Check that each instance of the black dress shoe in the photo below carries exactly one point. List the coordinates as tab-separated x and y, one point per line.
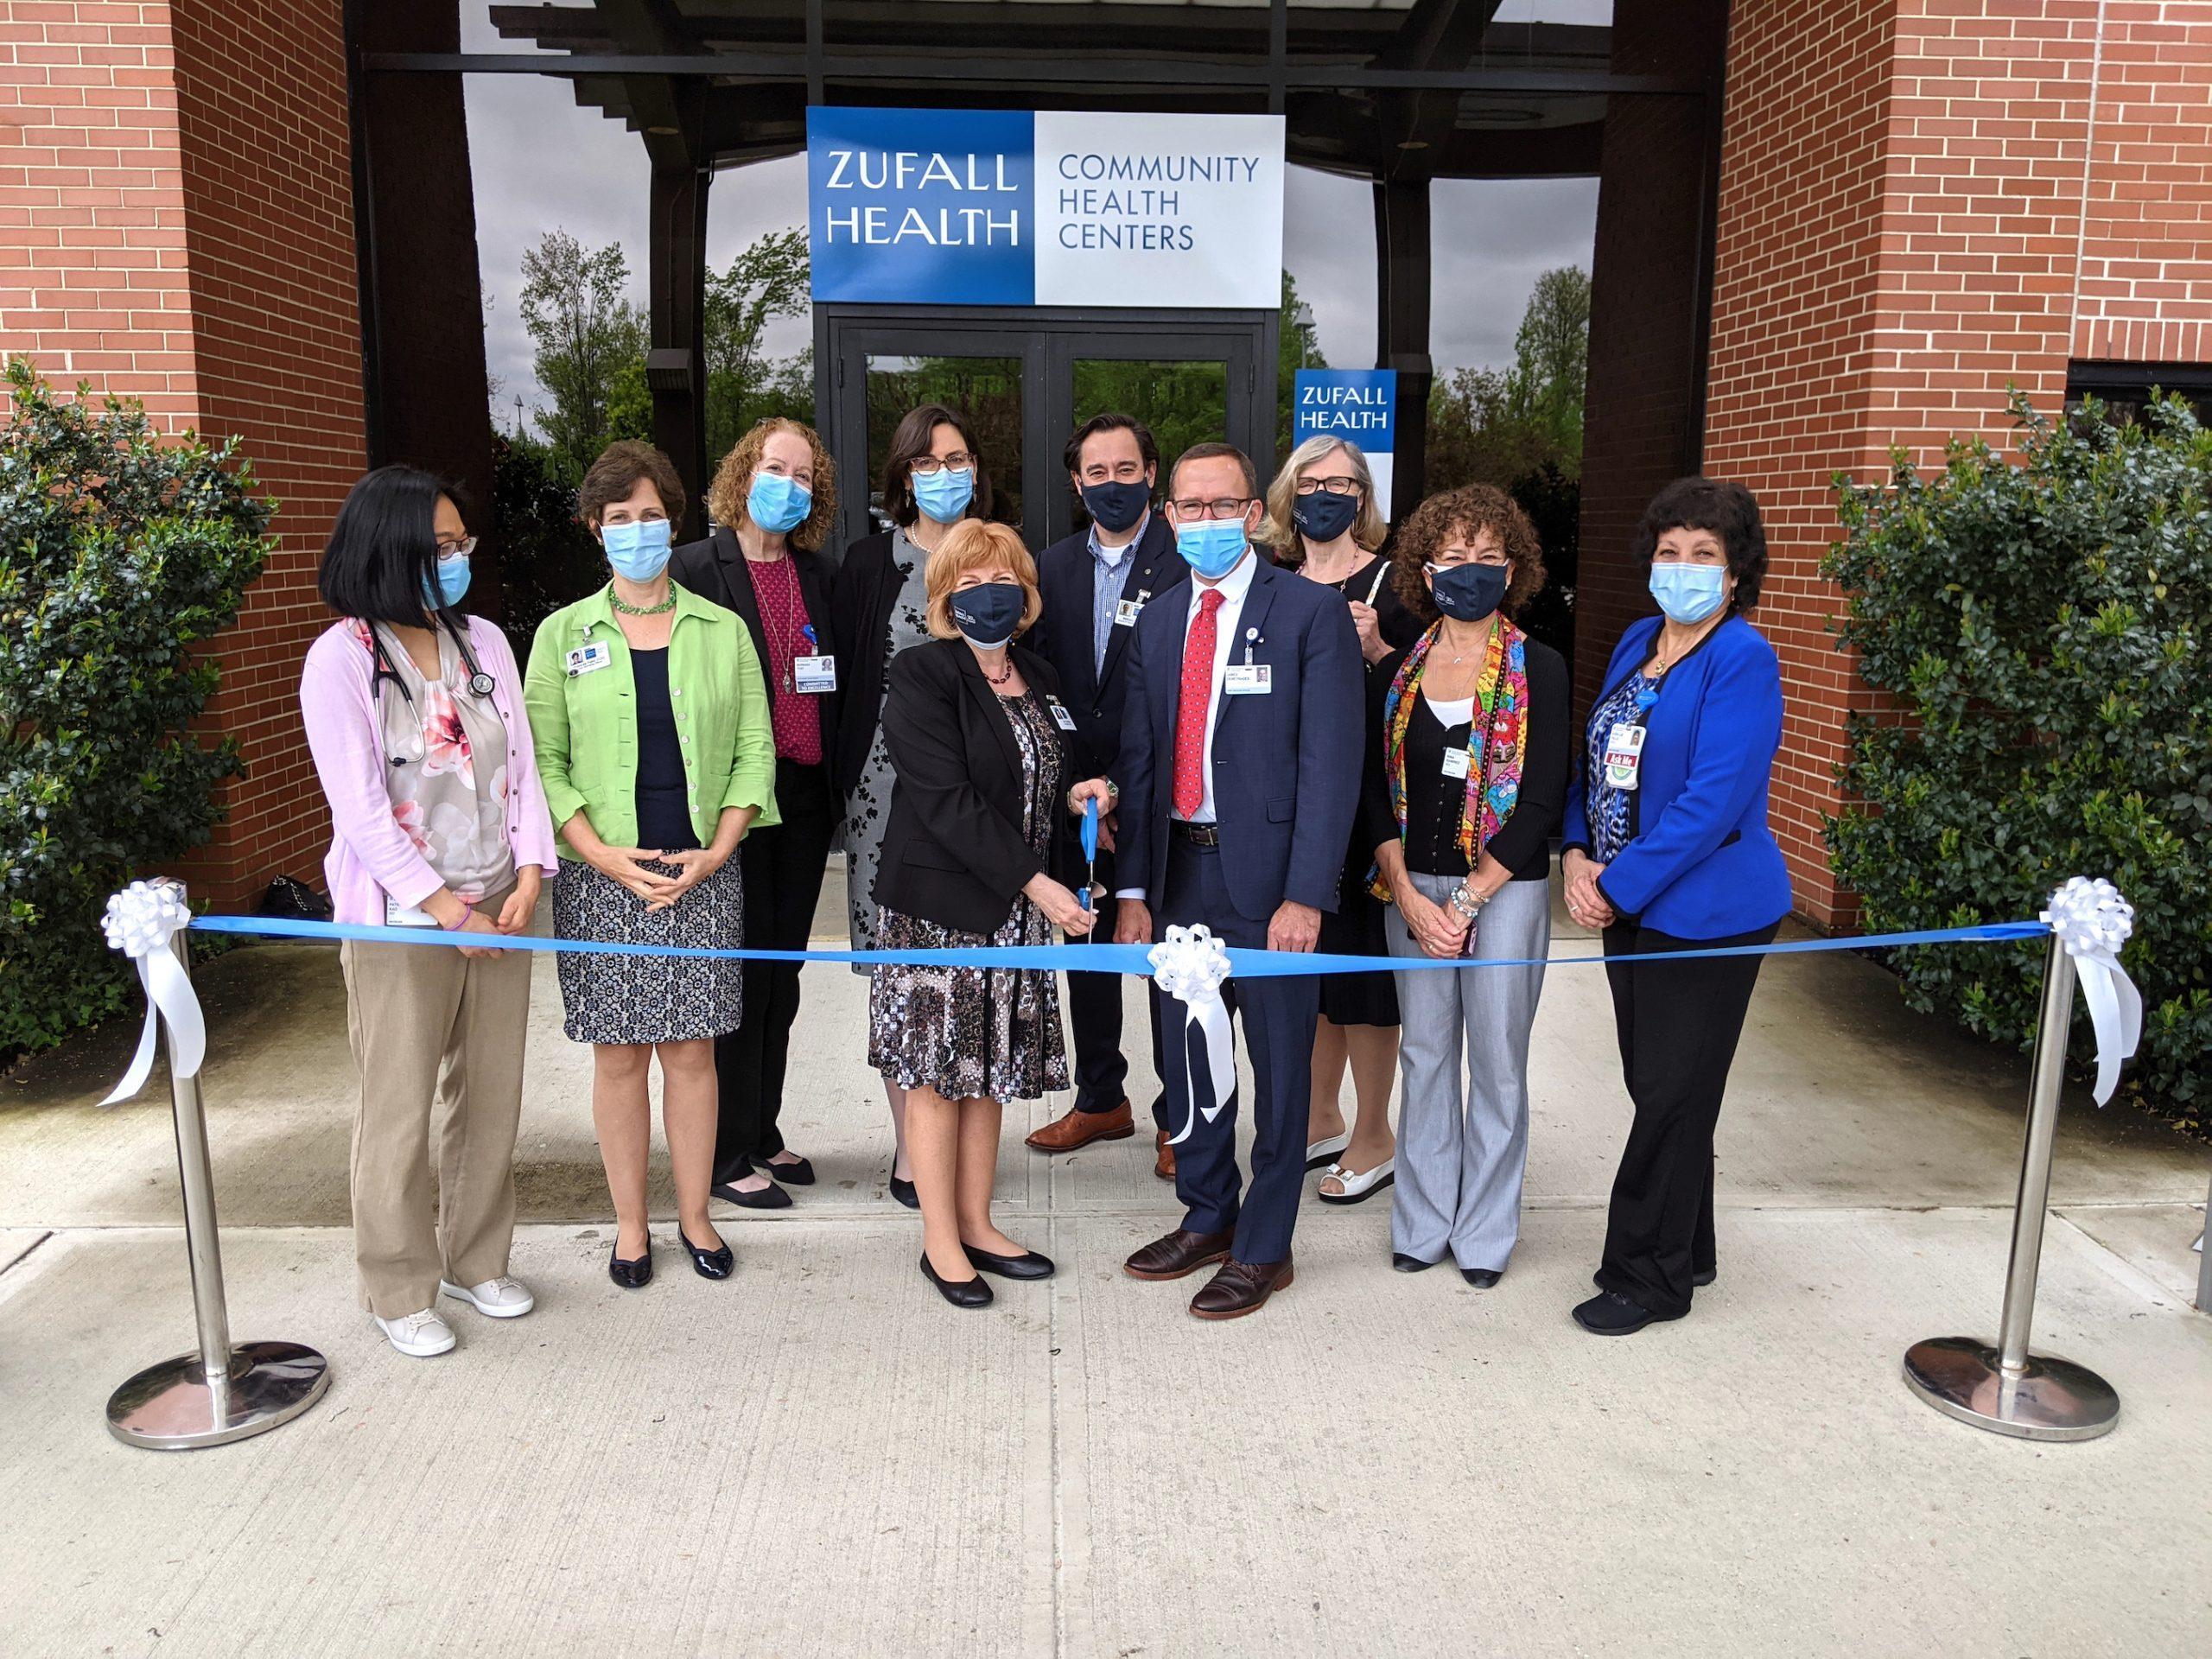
770	1196
1482	1278
1028	1265
1405	1263
1609	1313
795	1174
971	1293
904	1191
630	1275
716	1263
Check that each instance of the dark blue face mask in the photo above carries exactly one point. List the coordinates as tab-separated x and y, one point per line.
1467	592
1321	516
1114	506
989	615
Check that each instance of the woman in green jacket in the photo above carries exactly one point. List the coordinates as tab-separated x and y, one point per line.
652	733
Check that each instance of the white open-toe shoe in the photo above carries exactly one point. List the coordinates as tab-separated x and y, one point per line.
1361	1186
1319	1153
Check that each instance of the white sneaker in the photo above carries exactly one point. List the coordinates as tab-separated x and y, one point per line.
501	1299
418	1336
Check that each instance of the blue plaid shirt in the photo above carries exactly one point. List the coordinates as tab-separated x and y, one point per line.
1108	570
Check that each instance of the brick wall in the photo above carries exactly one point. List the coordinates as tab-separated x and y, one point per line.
1921	201
176	225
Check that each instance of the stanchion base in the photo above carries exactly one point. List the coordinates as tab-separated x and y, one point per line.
172	1407
2053	1400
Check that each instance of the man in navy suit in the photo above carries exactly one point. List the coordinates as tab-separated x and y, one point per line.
1243	740
1094	584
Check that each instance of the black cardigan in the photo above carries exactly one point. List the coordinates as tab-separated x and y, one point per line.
1522	843
715	568
861	602
953	850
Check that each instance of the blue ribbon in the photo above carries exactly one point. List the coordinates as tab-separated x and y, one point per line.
1096	958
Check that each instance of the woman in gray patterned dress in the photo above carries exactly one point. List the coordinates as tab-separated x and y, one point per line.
977	820
932	479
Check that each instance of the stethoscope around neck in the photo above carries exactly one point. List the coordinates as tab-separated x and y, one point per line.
481	685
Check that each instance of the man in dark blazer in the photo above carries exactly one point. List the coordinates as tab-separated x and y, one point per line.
1094	584
1239	768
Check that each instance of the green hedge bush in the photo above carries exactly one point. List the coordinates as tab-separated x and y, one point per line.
119	554
2042	624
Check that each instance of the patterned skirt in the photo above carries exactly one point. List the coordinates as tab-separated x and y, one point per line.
649	999
965	1032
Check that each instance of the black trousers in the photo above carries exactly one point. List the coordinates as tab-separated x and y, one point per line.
1101	1071
783	868
1678	1024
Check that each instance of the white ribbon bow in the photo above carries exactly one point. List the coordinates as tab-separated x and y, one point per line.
140	921
2092	921
1190	966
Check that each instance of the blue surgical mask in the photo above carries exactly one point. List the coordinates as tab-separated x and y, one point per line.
990	613
1468	593
1689	593
1113	505
776	503
1212	546
638	551
1321	516
453	581
944	494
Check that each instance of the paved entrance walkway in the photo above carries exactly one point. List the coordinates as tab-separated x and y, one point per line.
819	1457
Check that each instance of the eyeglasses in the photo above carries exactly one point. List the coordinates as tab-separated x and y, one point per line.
1491	559
1337	484
460	549
1230	507
927	466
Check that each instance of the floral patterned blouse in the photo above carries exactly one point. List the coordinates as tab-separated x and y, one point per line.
448	779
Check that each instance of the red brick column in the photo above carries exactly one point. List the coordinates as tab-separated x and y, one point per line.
176	225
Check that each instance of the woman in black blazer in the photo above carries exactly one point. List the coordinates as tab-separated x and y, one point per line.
979	818
773	501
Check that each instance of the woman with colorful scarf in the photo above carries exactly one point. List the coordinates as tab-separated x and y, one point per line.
1469	741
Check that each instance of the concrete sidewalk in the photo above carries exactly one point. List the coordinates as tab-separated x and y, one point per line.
819	1456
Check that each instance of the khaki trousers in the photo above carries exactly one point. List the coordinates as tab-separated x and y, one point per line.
430	1026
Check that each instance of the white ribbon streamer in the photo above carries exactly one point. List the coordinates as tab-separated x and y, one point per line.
1190	966
140	921
2092	921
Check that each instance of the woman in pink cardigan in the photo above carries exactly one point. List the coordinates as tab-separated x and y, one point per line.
415	717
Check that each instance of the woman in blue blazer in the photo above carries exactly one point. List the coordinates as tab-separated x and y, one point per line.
1666	847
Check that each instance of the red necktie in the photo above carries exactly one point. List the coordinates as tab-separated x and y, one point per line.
1190	710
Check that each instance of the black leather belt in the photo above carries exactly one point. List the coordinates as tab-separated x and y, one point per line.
1198	835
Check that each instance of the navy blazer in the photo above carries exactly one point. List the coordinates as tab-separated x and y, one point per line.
1063	633
1286	766
1700	862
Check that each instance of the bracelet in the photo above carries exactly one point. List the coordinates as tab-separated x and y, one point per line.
1467	903
468	910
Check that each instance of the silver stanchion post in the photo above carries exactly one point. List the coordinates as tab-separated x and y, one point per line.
2006	1388
221	1393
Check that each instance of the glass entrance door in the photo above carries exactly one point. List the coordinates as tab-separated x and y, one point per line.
1025	380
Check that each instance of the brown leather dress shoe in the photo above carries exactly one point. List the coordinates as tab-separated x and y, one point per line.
1177	1254
1163	1162
1240	1288
1081	1128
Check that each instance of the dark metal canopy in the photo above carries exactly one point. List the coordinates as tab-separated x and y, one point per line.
1377	89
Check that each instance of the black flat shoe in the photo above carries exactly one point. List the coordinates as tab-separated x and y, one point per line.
1704	1276
799	1174
1028	1265
630	1275
1482	1278
717	1263
771	1196
1609	1313
972	1292
1405	1263
904	1191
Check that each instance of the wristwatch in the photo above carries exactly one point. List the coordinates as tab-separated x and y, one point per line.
1467	903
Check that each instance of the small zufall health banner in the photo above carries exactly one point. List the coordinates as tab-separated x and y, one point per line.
1357	404
1046	207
